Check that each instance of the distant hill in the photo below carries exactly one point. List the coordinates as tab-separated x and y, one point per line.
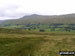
43	19
1	21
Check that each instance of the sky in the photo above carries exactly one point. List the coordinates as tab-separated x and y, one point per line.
13	9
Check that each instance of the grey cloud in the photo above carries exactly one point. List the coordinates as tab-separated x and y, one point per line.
10	12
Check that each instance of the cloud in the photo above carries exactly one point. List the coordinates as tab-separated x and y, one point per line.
11	9
8	9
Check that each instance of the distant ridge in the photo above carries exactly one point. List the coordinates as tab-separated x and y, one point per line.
43	19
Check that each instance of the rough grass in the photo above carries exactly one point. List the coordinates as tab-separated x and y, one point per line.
35	44
32	43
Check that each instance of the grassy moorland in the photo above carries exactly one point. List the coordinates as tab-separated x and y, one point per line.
32	43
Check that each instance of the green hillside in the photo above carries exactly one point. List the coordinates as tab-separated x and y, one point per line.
43	19
45	22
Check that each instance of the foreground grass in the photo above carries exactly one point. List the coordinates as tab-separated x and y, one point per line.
35	44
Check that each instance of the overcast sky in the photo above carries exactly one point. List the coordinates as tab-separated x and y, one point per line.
12	9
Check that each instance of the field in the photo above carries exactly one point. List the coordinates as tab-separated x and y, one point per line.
32	43
44	27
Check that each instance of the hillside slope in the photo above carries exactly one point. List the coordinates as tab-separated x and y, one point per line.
43	19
